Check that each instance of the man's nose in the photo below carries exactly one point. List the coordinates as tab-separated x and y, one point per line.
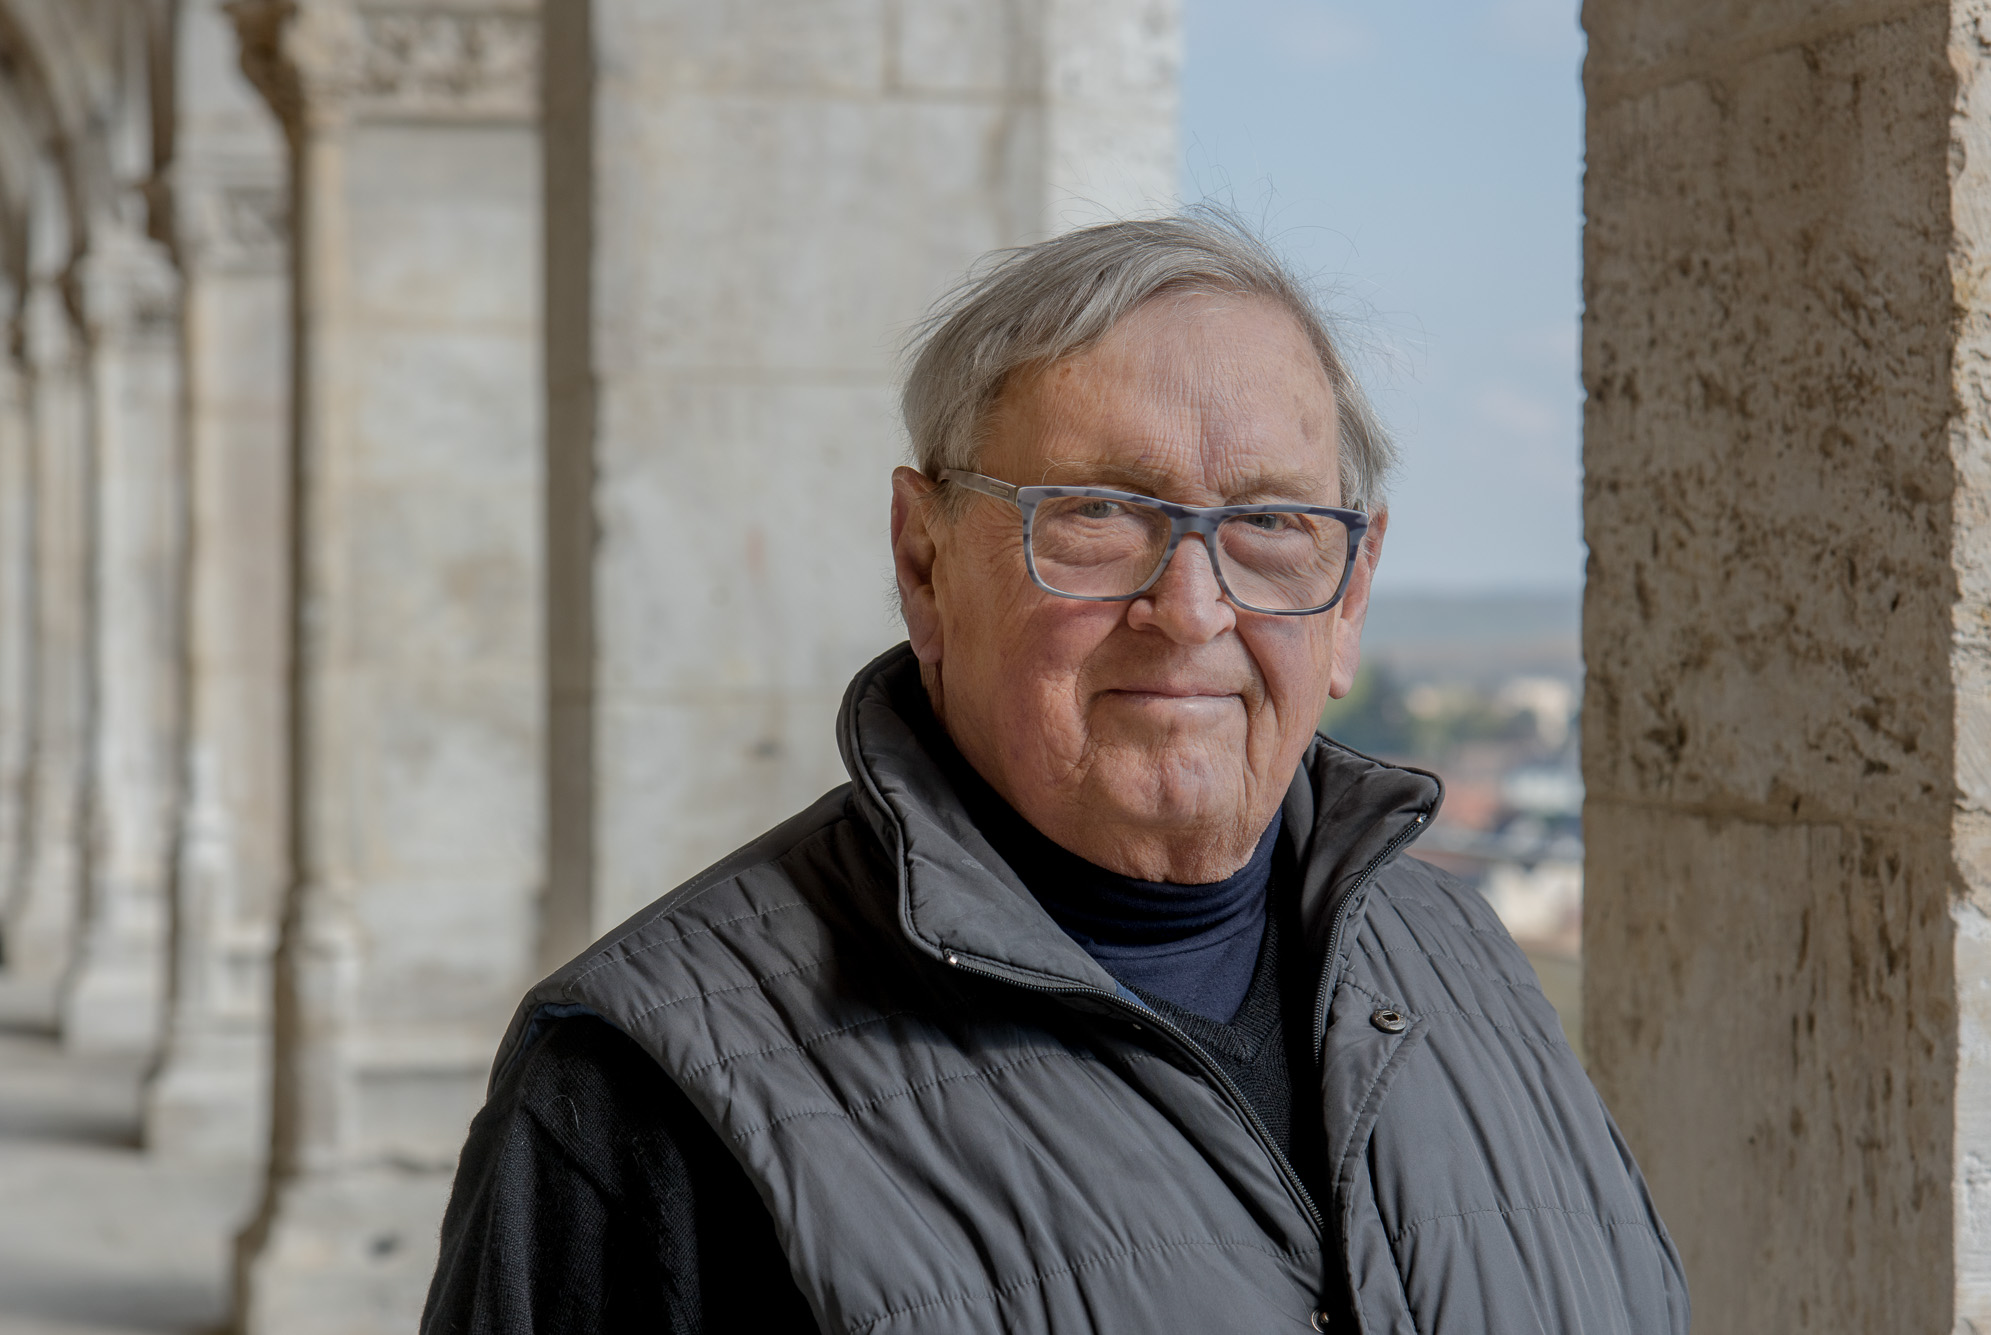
1186	603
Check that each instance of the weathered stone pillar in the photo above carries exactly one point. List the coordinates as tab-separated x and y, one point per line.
17	604
210	1094
41	918
1787	721
409	926
125	290
748	206
114	993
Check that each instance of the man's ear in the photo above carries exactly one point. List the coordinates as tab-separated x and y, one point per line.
1353	609
913	555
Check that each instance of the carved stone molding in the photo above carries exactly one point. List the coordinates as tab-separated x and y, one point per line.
253	221
426	62
130	289
261	26
233	224
392	59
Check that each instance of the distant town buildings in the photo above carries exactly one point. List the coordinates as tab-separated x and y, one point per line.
1485	692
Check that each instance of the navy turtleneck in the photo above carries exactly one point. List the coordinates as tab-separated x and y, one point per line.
1193	945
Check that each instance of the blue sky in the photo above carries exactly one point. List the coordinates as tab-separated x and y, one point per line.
1425	163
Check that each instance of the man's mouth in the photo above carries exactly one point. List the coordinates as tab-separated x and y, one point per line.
1159	694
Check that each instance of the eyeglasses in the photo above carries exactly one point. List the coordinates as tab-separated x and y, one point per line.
1104	546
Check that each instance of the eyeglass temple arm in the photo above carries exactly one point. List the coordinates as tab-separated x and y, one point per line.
988	486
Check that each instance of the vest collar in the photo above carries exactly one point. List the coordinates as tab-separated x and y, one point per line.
959	903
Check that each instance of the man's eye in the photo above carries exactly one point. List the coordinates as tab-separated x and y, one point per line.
1098	509
1266	523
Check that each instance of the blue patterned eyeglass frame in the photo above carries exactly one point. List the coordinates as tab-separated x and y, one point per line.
1183	520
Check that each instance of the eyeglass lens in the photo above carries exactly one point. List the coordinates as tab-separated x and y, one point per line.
1099	548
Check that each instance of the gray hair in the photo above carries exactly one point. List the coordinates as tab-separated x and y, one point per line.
1036	304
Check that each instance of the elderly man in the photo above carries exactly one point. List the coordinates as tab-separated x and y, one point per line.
1104	996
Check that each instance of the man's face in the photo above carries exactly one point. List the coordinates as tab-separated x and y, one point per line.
1157	736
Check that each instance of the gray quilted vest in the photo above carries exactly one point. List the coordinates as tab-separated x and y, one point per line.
960	1122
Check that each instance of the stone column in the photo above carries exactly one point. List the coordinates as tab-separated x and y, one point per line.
42	912
210	1095
1787	630
114	993
748	206
17	603
408	930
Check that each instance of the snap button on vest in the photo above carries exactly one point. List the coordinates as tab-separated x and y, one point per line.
1319	1320
1389	1021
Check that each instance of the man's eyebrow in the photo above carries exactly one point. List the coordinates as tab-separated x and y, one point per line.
1302	487
1148	480
1140	477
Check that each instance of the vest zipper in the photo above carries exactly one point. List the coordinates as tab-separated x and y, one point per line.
1390	849
1141	1015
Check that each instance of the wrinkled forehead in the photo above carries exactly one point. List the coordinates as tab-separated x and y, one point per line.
1201	398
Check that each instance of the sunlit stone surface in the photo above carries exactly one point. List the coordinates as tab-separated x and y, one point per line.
1785	716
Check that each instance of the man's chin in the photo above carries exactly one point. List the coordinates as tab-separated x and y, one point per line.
1152	735
1173	791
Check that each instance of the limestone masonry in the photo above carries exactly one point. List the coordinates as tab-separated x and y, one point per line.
1785	720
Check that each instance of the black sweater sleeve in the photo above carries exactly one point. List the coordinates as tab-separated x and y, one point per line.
592	1197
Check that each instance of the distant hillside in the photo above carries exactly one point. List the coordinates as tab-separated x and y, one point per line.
1479	637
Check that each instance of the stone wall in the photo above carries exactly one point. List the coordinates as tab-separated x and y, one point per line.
776	195
1786	641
